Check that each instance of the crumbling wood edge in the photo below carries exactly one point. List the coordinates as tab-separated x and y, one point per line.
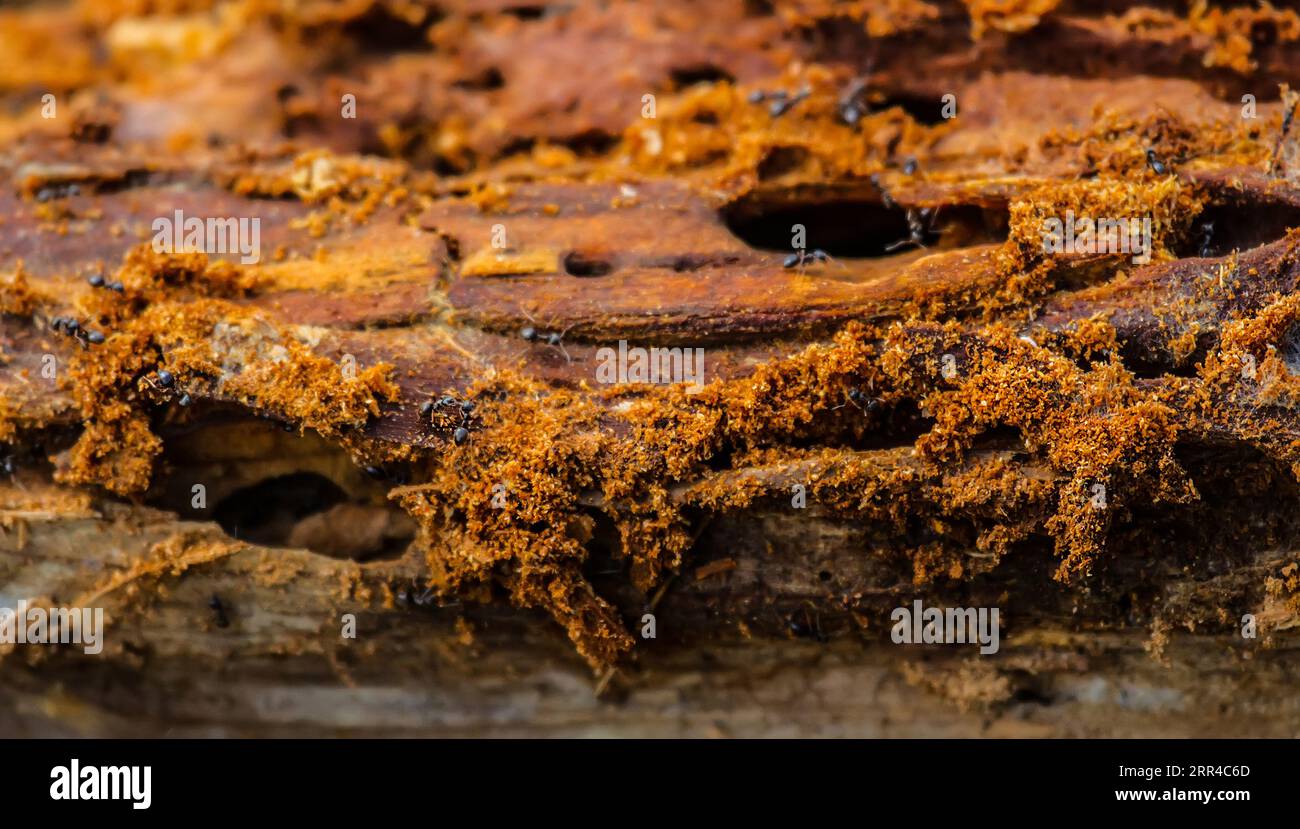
724	660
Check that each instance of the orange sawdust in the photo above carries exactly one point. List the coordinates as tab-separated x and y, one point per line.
174	313
715	134
1225	37
16	294
878	19
1009	16
1088	443
1284	587
556	453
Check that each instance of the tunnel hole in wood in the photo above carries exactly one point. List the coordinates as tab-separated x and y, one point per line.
924	109
307	510
699	73
857	228
262	482
1228	225
578	263
380	30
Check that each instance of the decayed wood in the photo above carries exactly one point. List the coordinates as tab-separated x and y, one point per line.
719	666
946	410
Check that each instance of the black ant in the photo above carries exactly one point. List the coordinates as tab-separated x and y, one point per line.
916	229
162	380
555	339
809	628
1157	166
378	473
57	191
1281	139
464	407
856	397
9	468
466	412
852	106
1207	233
779	108
98	280
885	199
801	257
420	599
219	610
74	329
423	598
782	101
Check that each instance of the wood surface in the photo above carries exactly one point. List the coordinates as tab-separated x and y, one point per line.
328	498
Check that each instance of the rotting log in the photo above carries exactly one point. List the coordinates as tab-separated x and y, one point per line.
1106	451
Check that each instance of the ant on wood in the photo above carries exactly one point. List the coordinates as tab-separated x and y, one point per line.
164	383
916	228
453	406
218	611
555	339
858	398
853	103
1157	166
782	101
800	259
1207	239
1281	138
809	628
74	329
